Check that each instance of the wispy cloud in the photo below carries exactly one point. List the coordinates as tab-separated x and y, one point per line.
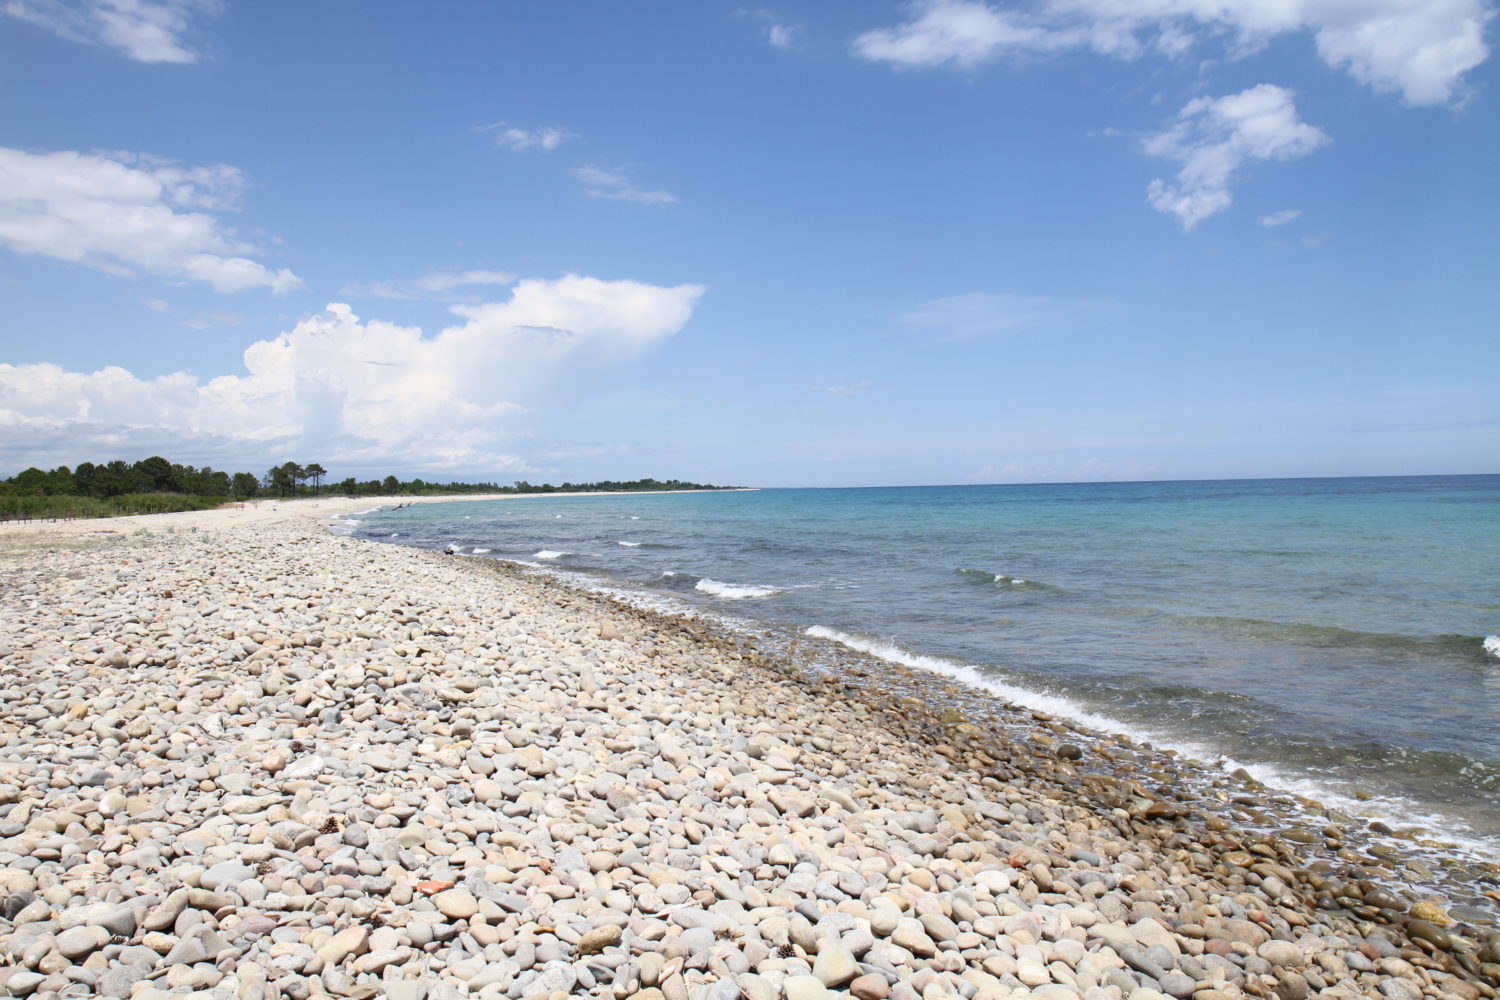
209	320
439	286
1215	136
600	183
780	34
849	389
202	320
123	213
983	314
546	138
1280	218
1419	49
145	30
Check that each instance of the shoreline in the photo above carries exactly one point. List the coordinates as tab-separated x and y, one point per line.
277	510
1210	795
476	725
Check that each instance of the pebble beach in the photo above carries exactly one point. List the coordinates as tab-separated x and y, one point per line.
244	758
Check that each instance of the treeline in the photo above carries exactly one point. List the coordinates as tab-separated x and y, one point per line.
155	485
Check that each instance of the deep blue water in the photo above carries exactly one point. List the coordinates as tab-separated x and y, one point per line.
1327	633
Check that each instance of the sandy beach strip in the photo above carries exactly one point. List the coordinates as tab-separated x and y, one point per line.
244	757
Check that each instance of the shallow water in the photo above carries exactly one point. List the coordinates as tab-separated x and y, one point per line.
1327	634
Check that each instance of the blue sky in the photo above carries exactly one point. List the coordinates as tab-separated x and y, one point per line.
842	243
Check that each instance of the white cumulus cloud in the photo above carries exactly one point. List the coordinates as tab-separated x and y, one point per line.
353	391
1280	218
617	187
1418	48
123	213
145	30
1215	136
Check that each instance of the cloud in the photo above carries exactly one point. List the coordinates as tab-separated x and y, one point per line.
1280	218
980	314
605	184
145	30
781	36
850	389
1418	48
435	285
122	212
965	33
360	393
1215	136
209	320
547	138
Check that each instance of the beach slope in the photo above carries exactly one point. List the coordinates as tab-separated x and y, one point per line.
241	756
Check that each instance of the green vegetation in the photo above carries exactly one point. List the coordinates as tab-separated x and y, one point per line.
155	485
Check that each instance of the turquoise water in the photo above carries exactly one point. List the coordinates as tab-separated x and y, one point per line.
1328	634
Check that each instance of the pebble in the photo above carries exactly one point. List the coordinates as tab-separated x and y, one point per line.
307	765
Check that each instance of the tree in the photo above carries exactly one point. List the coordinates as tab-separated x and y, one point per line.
315	472
60	482
391	484
156	473
245	485
280	480
31	482
348	486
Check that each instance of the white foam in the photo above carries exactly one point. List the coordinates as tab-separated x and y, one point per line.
480	552
630	545
1393	810
549	554
1049	703
733	591
1492	645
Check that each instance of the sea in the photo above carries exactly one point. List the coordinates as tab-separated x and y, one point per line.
1338	639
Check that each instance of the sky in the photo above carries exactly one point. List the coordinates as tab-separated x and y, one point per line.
840	243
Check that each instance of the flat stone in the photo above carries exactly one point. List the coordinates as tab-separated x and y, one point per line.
911	935
349	941
870	987
118	980
80	941
457	904
225	874
805	988
835	964
23	984
1281	953
598	939
406	989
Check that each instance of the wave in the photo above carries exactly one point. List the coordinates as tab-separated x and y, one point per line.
1332	635
629	545
480	552
972	676
1003	580
1394	810
549	554
733	591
